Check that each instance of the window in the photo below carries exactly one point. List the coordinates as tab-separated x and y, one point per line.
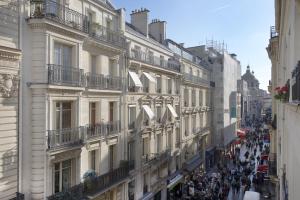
193	98
158	84
194	123
207	98
169	86
170	140
131	117
201	120
200	98
131	151
93	113
158	114
145	188
296	83
63	115
62	175
111	111
162	61
177	108
93	64
93	160
177	138
151	57
112	156
186	126
145	146
145	84
186	97
158	143
62	55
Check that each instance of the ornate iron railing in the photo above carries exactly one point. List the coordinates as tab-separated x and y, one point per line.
65	137
196	79
19	196
103	82
154	60
65	75
92	185
104	34
102	129
59	13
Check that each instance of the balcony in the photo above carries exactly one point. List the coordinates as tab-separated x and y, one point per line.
103	34
67	137
154	158
56	12
196	79
273	32
102	82
102	130
65	76
93	187
154	60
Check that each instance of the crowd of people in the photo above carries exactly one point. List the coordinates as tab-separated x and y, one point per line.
236	174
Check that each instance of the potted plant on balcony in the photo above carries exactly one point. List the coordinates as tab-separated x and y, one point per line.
37	8
282	93
88	178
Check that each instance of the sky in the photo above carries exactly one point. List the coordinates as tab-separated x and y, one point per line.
244	25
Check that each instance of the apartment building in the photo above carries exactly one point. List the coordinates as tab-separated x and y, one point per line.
225	73
10	56
152	107
195	107
73	66
283	51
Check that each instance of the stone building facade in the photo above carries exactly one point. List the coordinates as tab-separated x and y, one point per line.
10	57
283	51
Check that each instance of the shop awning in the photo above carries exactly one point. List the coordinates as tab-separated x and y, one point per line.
174	181
192	164
172	110
149	112
149	77
135	78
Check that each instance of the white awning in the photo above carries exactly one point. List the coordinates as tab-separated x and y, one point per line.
149	112
135	78
172	110
149	77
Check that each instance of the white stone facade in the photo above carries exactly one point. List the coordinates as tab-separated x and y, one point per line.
284	54
10	57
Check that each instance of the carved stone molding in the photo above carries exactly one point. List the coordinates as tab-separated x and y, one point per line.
7	53
9	85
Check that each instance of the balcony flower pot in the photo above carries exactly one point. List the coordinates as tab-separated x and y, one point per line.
282	93
88	178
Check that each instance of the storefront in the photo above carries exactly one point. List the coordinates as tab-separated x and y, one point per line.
174	188
210	158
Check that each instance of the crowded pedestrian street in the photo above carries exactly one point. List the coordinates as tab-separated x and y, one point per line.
243	169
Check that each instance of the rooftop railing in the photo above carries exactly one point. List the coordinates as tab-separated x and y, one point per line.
59	13
104	34
154	60
196	79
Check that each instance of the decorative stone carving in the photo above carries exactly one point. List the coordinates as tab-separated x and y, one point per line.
9	85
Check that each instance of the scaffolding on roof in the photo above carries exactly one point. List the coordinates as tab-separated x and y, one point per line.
218	46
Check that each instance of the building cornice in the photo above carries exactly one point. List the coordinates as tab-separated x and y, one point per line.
11	54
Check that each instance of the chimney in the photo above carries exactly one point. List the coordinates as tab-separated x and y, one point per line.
157	29
139	19
181	44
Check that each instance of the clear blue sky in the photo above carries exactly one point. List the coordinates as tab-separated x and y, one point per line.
242	24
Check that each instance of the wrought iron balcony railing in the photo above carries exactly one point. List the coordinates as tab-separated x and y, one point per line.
102	129
196	79
59	13
154	60
156	157
19	196
104	34
65	75
93	186
102	82
65	137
